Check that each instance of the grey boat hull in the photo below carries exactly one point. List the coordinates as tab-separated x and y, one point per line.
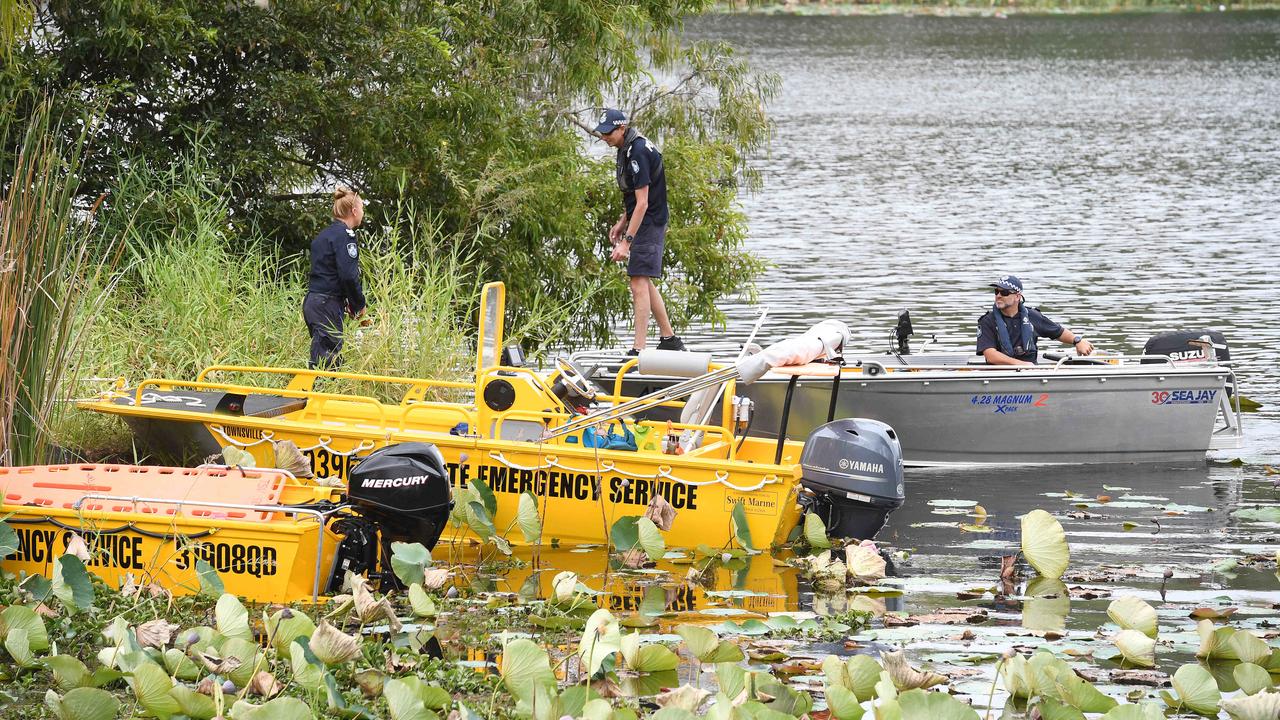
964	415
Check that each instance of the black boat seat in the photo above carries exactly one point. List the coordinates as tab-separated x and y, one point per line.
216	402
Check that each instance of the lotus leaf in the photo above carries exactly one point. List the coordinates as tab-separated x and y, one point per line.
815	532
479	520
1136	647
156	633
82	704
1248	647
650	539
864	673
707	646
525	668
1142	711
308	671
528	520
864	563
1053	709
289	457
193	704
741	531
332	646
1251	678
1263	706
409	561
423	604
286	625
934	706
597	709
1045	544
685	697
238	457
1215	641
1263	513
783	698
232	618
600	639
485	495
835	672
71	583
844	705
1018	678
732	679
68	672
18	646
885	689
1133	613
151	684
210	584
179	665
1073	690
284	708
904	676
9	543
1047	605
1196	691
564	586
411	699
246	652
647	658
673	713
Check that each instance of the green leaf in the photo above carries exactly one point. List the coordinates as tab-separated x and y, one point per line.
1263	706
1196	690
651	539
1215	642
282	708
741	531
409	561
1052	709
1047	605
237	457
422	603
732	678
232	618
180	666
843	703
647	658
934	706
18	646
1143	711
864	673
193	704
21	617
1133	613
528	520
707	646
487	498
1136	647
71	583
525	668
308	671
9	543
1080	694
479	520
625	533
246	651
1251	678
600	639
151	685
407	699
68	672
286	625
1045	544
815	532
211	584
83	704
1249	647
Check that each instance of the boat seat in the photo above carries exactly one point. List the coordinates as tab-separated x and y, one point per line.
61	486
252	405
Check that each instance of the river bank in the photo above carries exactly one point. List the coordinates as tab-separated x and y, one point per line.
987	9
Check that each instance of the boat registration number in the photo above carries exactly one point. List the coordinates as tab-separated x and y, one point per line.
325	463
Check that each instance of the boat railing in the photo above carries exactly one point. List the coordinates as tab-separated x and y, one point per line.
419	407
1073	363
294	511
543	416
321	398
304	379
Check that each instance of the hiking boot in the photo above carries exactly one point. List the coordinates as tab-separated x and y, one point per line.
671	343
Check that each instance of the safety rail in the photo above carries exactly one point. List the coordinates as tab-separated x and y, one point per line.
160	384
728	391
421	384
722	434
1067	362
319	516
425	406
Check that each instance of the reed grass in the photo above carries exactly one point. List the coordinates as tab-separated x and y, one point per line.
46	266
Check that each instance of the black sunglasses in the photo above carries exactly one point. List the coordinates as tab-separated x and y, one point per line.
1005	293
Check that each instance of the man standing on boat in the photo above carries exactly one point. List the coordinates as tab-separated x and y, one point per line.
640	234
334	288
1007	332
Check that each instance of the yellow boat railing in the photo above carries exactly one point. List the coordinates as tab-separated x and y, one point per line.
162	384
304	379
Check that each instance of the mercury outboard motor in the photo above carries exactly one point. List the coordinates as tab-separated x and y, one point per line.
854	469
404	491
1183	346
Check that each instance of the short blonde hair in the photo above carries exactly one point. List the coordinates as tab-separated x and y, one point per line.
344	202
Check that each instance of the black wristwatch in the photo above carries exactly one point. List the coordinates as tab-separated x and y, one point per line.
1077	340
628	238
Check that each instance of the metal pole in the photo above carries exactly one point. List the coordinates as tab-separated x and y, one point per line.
786	414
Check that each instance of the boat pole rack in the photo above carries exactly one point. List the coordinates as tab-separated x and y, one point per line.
319	516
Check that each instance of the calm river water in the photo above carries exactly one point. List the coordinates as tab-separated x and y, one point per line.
1127	168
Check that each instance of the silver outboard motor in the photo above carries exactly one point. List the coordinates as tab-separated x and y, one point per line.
854	469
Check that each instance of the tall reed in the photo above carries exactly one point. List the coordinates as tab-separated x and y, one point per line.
46	264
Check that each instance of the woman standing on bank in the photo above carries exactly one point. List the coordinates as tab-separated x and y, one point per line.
334	287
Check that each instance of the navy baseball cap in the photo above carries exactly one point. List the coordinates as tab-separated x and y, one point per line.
1008	282
610	119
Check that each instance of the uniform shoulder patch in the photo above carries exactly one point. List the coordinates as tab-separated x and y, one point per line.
351	249
635	167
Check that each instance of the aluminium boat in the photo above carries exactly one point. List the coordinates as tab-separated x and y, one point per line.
1171	404
587	458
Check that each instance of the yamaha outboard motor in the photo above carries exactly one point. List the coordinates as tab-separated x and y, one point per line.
404	491
1186	346
854	468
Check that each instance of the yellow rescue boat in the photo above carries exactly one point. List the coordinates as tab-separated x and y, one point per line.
553	435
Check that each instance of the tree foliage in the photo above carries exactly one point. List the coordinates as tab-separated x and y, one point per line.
470	111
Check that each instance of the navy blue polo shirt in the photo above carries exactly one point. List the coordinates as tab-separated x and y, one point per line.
335	266
1041	326
640	164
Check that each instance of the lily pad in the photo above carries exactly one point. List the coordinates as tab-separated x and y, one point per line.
1196	691
1044	544
1133	613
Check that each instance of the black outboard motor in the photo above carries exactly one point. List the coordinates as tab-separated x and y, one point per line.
1178	345
854	468
404	491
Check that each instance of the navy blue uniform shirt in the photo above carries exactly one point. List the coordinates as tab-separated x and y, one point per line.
640	164
335	266
1042	326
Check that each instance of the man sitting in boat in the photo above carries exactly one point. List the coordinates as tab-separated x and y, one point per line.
1007	332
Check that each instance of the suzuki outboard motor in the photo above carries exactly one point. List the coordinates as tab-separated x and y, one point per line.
854	468
1186	346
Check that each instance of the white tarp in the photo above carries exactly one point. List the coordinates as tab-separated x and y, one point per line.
826	339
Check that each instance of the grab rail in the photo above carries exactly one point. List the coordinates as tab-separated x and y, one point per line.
315	584
295	373
159	383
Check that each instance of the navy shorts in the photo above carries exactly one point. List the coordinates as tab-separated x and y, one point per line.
646	251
